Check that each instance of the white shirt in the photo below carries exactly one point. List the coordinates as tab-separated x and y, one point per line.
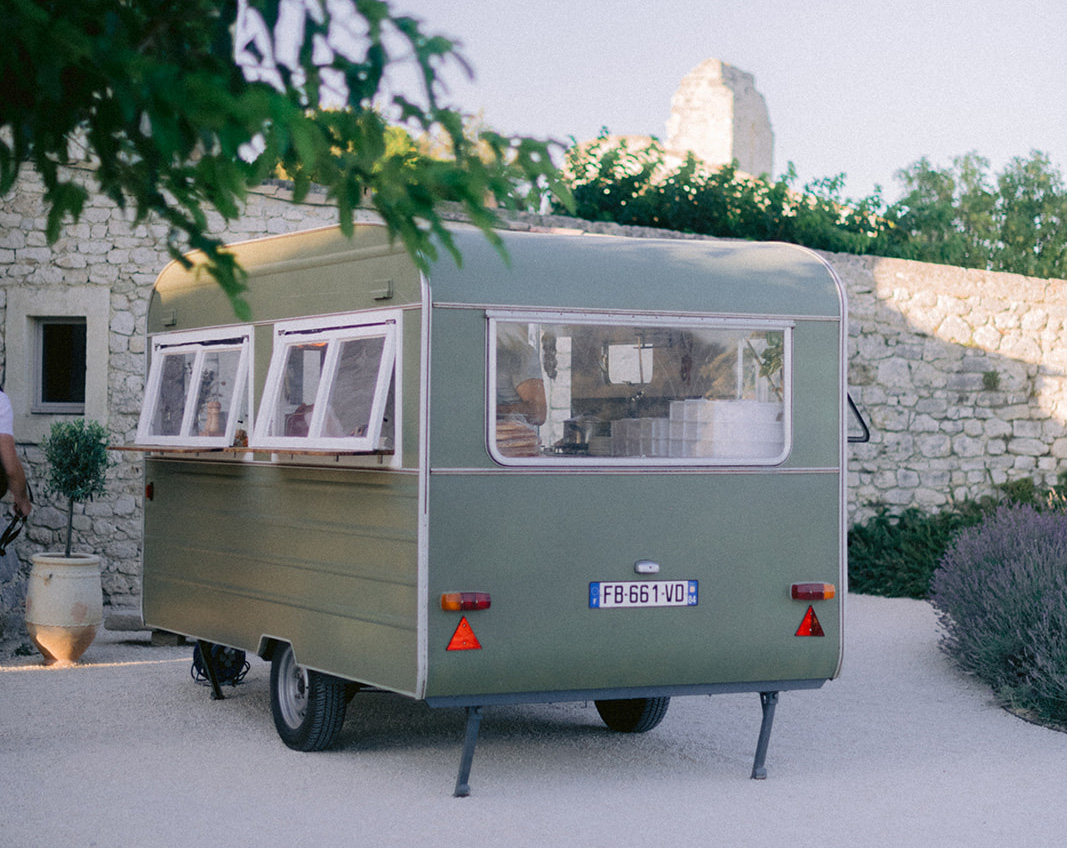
7	416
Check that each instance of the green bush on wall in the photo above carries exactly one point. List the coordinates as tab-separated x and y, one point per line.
896	556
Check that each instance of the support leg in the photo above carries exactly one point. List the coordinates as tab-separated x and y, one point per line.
209	667
474	720
768	701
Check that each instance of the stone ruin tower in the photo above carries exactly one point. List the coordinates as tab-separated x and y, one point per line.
718	114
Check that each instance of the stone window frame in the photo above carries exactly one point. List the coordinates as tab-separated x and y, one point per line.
25	308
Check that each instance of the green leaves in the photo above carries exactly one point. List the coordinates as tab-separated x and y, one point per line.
76	452
963	215
157	97
635	185
960	215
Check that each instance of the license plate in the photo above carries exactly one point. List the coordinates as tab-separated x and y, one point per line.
643	593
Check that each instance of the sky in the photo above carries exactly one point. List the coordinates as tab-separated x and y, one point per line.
853	87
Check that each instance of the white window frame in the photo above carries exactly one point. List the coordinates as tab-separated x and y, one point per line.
199	343
784	326
333	331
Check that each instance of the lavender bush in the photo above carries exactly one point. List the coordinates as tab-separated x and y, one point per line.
1001	595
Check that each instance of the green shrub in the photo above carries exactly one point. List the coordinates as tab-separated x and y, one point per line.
895	556
76	452
1001	595
634	185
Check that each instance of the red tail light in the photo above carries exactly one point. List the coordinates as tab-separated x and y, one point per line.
465	601
813	591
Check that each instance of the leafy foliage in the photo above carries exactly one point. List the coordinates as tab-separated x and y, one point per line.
182	105
612	181
959	215
76	452
1001	595
896	556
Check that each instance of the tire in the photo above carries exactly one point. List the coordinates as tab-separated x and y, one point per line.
308	706
633	715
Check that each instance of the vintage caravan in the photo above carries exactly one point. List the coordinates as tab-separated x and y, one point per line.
605	469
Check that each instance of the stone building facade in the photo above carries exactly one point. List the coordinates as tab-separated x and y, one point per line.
962	374
718	114
101	273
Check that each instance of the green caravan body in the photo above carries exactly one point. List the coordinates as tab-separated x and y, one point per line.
602	469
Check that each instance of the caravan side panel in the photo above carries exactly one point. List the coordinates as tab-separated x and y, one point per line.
322	558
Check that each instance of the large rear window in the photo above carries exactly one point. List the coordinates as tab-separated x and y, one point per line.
620	390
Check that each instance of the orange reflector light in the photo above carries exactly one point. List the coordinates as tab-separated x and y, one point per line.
464	639
464	601
810	625
813	591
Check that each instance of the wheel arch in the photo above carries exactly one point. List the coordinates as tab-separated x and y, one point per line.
269	645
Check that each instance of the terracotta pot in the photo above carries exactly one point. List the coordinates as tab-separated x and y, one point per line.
64	605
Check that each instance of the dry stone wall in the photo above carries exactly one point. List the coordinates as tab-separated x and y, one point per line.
962	374
104	249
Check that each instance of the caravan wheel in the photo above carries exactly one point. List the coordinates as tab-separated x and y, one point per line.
308	706
633	715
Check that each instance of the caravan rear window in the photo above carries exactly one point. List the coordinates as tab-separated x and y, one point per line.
625	390
198	392
331	385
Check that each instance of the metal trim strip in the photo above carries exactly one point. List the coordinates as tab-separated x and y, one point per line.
630	313
633	469
561	696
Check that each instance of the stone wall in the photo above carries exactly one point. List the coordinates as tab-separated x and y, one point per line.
960	372
103	250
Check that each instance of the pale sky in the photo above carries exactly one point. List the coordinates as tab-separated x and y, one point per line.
860	87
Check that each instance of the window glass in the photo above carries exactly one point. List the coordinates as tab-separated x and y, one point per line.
351	399
330	387
60	365
663	391
197	392
214	397
296	398
176	370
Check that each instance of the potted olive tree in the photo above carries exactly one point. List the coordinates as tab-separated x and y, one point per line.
64	600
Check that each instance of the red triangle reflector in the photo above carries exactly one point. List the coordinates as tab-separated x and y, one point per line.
810	625
464	639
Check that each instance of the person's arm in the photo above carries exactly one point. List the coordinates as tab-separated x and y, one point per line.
16	477
533	406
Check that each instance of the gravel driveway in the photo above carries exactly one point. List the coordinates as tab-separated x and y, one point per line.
902	750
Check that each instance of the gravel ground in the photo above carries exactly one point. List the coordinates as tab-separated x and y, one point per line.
125	750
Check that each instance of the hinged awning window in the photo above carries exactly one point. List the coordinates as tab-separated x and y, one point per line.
330	385
199	389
